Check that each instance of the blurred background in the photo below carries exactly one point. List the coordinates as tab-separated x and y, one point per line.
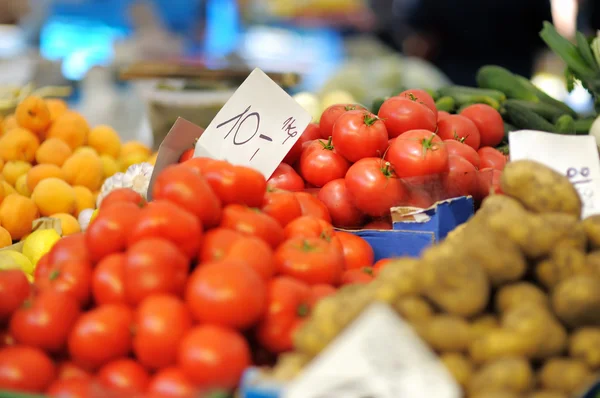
343	50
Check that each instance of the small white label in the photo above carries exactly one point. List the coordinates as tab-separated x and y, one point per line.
257	126
575	156
378	356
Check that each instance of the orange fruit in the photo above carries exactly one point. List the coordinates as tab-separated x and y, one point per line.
70	127
19	144
84	199
131	159
17	214
54	195
21	186
130	147
86	150
5	238
68	223
53	151
105	141
2	191
56	107
14	169
152	158
8	189
33	114
84	169
1	165
42	171
110	165
8	123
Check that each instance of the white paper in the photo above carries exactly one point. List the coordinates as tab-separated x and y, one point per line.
575	156
379	356
257	126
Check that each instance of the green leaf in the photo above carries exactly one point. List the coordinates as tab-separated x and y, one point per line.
570	79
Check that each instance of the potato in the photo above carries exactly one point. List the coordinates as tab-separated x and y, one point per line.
563	229
592	262
564	262
505	374
446	333
539	188
585	345
591	226
568	376
453	282
518	293
576	301
413	309
496	394
484	324
403	275
537	324
459	367
547	394
289	365
501	343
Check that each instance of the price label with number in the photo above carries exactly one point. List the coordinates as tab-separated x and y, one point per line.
573	156
257	126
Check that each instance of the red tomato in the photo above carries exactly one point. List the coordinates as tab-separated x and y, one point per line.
25	369
442	115
285	177
72	247
69	370
290	302
198	164
378	225
124	376
491	158
282	206
161	321
123	195
14	289
227	293
235	184
182	185
422	97
154	266
45	320
216	244
319	292
357	252
252	222
461	179
311	260
359	134
70	388
344	214
374	187
186	155
171	383
401	115
309	227
331	115
164	219
6	339
461	129
72	277
108	280
488	121
320	163
311	206
109	231
312	132
101	335
422	198
381	264
354	276
458	148
418	153
489	182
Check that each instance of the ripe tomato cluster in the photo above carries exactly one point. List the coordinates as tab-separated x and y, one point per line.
360	164
177	296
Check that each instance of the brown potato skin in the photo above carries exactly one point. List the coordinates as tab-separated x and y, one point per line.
585	345
459	366
501	343
515	294
505	374
568	376
447	333
413	309
539	188
563	262
576	301
591	226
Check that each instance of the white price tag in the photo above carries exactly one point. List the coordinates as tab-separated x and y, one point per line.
575	156
377	356
257	126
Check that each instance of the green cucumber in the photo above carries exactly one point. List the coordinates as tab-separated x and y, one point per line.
446	104
377	104
501	79
583	126
545	98
524	118
451	91
565	125
547	111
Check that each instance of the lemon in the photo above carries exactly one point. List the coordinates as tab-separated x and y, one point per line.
39	243
10	259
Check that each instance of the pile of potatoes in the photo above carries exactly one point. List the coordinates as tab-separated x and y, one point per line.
510	302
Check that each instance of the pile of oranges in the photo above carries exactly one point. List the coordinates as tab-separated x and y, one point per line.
53	164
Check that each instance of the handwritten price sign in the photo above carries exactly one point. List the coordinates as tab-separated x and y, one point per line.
257	126
574	156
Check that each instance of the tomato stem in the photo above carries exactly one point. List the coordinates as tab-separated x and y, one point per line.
350	107
387	169
370	119
303	310
368	270
325	236
54	274
327	145
429	144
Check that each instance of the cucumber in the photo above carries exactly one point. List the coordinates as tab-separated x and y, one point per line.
583	126
524	118
377	104
450	91
565	125
545	98
501	79
434	94
446	104
547	111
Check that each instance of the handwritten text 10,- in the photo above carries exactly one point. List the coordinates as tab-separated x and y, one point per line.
582	181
